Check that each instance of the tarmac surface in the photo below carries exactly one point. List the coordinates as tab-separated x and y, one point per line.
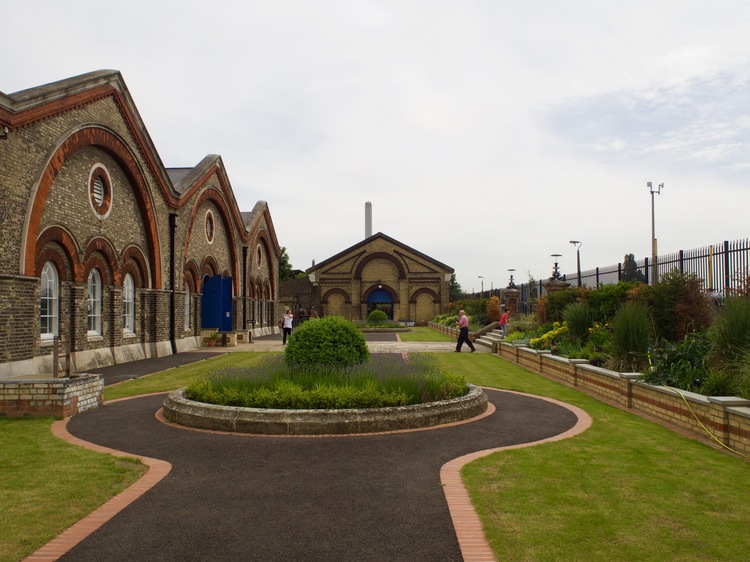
344	498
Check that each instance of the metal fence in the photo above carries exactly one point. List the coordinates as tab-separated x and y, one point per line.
724	269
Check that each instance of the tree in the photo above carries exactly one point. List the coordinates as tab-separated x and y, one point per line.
630	270
456	290
493	309
285	268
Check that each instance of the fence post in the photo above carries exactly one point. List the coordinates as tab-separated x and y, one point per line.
727	279
682	261
645	269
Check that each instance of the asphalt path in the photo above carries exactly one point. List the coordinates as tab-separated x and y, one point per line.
349	498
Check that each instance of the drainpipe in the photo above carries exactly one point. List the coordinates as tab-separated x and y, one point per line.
244	287
172	233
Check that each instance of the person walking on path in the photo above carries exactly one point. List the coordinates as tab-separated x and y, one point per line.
463	332
504	322
287	324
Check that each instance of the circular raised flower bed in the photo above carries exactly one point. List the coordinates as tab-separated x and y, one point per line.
180	410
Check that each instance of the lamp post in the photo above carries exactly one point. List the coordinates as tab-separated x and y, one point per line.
578	245
511	284
556	269
481	295
654	253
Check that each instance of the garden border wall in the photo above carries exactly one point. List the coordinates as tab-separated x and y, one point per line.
60	398
727	417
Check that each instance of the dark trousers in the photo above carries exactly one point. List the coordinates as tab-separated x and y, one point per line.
463	336
287	332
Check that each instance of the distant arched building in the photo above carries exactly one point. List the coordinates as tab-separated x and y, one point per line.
380	273
108	251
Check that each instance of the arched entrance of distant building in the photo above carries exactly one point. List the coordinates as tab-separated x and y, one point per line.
380	299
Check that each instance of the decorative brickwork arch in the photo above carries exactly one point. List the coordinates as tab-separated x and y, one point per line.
381	287
99	262
331	292
263	238
209	268
433	294
58	246
214	196
102	248
380	256
191	275
112	144
134	262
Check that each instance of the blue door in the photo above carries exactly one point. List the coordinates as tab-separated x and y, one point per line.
216	309
380	299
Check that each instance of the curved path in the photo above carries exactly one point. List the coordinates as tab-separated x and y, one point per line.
373	497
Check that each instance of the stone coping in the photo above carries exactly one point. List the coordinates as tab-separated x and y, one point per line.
180	410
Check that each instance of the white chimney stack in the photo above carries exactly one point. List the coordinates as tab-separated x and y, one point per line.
368	219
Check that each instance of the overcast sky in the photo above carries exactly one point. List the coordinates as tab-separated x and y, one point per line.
486	134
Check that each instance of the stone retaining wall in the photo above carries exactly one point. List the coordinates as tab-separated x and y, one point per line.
726	417
180	410
58	398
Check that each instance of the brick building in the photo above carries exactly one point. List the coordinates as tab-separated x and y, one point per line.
108	251
380	273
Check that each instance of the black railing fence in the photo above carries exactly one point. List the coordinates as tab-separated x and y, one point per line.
724	269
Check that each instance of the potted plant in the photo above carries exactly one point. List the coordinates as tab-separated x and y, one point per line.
213	336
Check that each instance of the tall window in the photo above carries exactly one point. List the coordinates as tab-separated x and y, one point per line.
187	306
49	312
128	304
94	303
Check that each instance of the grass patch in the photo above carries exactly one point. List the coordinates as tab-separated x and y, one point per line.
422	333
46	484
383	381
626	489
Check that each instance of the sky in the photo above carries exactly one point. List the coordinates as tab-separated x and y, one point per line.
486	134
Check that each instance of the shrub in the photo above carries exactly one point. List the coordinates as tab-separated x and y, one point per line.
730	333
558	301
493	310
579	317
550	338
331	341
631	336
377	317
680	364
608	299
679	306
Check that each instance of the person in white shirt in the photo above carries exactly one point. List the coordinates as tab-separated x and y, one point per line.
287	324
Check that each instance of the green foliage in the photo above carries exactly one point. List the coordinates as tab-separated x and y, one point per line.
384	381
631	336
456	292
730	333
630	270
608	299
285	268
579	317
680	364
331	341
377	317
550	338
679	306
558	301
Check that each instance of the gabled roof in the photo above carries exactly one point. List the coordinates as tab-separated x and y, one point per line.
26	107
363	243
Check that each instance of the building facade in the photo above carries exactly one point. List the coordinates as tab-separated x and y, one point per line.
106	255
381	273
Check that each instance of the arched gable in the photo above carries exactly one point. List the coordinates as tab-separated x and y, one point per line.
108	141
380	256
214	196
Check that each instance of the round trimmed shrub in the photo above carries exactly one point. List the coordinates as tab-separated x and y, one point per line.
377	317
331	341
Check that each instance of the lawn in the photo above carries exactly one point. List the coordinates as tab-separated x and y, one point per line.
626	489
421	333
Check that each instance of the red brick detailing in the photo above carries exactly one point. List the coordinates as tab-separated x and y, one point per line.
60	236
134	262
433	294
327	295
95	136
379	256
111	274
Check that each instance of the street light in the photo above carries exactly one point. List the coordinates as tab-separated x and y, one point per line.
654	253
511	284
481	295
578	245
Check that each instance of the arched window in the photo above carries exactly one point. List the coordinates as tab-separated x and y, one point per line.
187	306
94	304
128	305
49	310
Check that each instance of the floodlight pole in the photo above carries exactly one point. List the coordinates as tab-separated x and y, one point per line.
654	252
